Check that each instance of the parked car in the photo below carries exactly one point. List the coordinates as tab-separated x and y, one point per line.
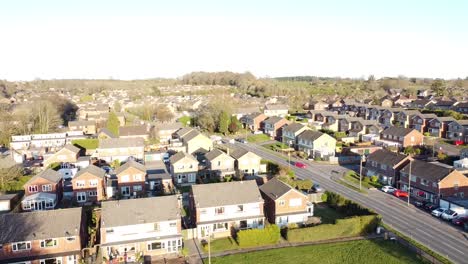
241	140
460	221
400	193
300	165
317	188
438	212
449	215
388	189
430	207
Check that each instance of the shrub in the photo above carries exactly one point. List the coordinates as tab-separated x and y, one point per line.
345	206
374	178
324	197
427	134
259	237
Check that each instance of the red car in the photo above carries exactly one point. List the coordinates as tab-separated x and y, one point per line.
460	221
400	193
300	165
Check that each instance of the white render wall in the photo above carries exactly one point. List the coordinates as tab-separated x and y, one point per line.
139	231
252	209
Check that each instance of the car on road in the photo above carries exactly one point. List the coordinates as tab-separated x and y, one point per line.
317	188
460	221
300	165
241	140
388	189
430	207
449	215
400	193
438	212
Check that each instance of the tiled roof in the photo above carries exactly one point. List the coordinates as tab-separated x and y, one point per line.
226	193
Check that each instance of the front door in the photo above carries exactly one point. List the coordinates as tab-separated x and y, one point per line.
126	190
179	178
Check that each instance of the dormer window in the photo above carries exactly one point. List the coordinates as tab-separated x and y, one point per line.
21	246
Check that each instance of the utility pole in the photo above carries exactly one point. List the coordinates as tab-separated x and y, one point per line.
209	247
360	173
409	182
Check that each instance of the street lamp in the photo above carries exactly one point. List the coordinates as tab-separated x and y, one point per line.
409	182
360	172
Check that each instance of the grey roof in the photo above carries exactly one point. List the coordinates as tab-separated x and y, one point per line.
310	135
48	174
462	122
276	107
238	153
131	163
226	193
179	156
214	154
139	211
94	170
132	131
15	227
183	131
72	148
4	197
169	126
121	143
397	131
273	120
190	135
107	132
293	127
275	188
386	157
428	171
446	119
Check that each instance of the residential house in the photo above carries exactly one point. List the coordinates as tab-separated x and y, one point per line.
8	202
89	185
360	127
420	122
437	127
275	110
316	144
159	179
105	133
68	154
318	105
421	103
253	121
461	107
388	116
247	163
219	164
131	178
54	236
386	102
335	105
400	137
140	228
403	100
330	122
273	125
134	132
183	168
458	131
165	131
195	141
285	205
43	191
431	182
374	112
345	123
120	149
219	209
244	111
386	165
442	105
87	126
291	131
403	118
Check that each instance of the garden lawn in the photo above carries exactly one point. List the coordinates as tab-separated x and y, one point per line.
259	138
276	146
361	251
328	215
353	177
221	244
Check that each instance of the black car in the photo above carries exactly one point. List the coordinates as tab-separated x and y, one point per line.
430	207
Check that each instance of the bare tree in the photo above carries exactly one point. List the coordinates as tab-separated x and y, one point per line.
45	117
8	175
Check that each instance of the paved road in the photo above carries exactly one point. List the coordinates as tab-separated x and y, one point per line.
421	226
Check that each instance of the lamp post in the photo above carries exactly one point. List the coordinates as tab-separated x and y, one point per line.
360	173
209	246
289	154
409	182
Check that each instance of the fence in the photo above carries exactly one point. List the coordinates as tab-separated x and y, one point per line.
188	234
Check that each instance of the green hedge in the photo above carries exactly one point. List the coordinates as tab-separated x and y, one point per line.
348	227
259	237
345	206
86	143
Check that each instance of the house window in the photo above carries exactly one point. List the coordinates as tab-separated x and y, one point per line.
220	226
109	231
424	182
219	163
240	208
71	239
383	166
81	196
413	178
434	184
281	202
137	177
155	245
172	224
156	227
137	188
32	188
203	211
125	178
48	243
51	261
295	202
455	185
47	188
80	183
92	193
20	246
93	183
219	210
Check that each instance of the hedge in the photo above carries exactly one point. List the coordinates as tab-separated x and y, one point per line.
348	227
259	237
345	206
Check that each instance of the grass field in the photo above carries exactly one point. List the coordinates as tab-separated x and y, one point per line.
353	177
259	138
222	244
362	252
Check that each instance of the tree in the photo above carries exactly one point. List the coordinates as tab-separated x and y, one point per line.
223	122
45	117
235	125
113	123
164	114
9	175
155	91
438	86
117	107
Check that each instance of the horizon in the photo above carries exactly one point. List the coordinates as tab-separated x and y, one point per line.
148	40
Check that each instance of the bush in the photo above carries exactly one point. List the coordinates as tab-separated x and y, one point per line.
324	197
345	206
374	178
259	237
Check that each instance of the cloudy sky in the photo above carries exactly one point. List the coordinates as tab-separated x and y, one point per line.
146	39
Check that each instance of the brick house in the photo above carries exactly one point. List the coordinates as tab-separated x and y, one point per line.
134	132
431	182
273	125
403	118
458	130
420	122
68	154
87	126
131	179
253	121
437	127
285	205
88	185
386	165
43	191
54	236
400	137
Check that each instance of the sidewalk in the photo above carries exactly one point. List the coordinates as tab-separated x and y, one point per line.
194	249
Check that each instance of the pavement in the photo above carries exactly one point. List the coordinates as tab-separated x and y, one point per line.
436	234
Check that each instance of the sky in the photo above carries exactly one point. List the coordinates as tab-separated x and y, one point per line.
138	39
